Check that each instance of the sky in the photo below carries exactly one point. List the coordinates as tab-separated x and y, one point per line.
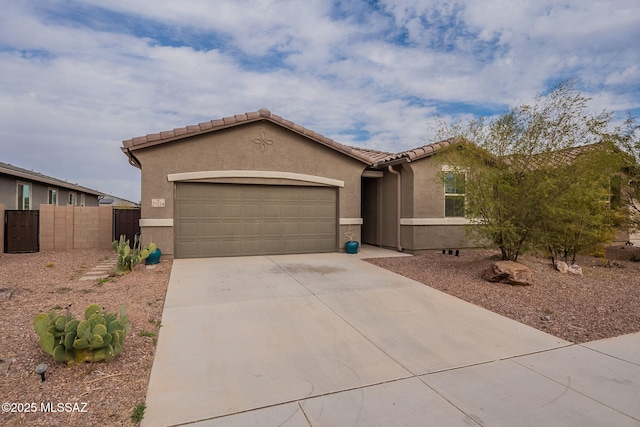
77	77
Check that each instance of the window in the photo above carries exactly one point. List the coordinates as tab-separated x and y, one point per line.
24	196
454	191
52	197
82	200
73	199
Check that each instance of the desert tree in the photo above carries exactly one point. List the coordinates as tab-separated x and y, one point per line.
517	166
587	214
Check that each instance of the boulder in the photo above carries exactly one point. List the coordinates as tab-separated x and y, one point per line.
562	266
509	272
575	269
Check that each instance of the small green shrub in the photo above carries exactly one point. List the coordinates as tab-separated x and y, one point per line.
102	281
138	413
98	337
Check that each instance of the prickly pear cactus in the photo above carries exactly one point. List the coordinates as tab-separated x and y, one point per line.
129	257
96	338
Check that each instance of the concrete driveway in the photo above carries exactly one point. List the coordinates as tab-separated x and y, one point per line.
330	340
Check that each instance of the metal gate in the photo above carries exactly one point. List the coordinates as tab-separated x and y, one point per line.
127	222
21	231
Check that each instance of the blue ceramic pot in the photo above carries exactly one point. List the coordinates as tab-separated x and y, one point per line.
352	247
154	257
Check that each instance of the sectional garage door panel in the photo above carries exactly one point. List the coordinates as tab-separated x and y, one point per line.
237	220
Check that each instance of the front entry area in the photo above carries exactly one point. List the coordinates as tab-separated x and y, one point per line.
213	220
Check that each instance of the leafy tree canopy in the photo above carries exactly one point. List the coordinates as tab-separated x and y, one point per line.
537	173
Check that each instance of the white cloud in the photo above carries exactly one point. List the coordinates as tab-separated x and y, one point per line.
81	76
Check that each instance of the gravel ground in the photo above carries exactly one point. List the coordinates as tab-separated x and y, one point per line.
111	390
604	302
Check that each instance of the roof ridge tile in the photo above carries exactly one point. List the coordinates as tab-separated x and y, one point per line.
264	112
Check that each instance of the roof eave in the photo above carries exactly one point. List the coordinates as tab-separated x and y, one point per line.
49	181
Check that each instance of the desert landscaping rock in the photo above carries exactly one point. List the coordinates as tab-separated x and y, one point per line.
509	272
562	267
575	269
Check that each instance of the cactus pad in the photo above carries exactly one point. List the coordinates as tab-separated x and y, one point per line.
60	354
93	308
41	323
84	330
47	342
99	329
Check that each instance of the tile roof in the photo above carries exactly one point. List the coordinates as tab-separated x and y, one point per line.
375	155
227	122
7	169
420	152
371	157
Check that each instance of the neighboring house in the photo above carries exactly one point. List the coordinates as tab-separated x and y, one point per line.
22	189
256	184
117	202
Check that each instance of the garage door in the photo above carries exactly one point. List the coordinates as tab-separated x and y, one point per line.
234	220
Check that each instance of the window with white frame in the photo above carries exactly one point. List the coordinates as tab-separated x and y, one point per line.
52	196
24	196
454	193
82	199
73	199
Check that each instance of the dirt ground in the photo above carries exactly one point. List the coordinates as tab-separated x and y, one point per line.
92	394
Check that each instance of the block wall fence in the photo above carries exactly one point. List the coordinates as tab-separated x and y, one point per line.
71	227
75	227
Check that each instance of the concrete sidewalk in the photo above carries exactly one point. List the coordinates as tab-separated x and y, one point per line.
330	340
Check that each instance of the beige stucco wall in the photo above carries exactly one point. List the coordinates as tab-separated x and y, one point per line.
422	200
259	146
428	200
428	204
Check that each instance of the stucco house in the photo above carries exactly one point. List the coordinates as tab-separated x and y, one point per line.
256	184
22	189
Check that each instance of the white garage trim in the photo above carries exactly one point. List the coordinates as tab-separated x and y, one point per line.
434	221
156	222
351	221
189	176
